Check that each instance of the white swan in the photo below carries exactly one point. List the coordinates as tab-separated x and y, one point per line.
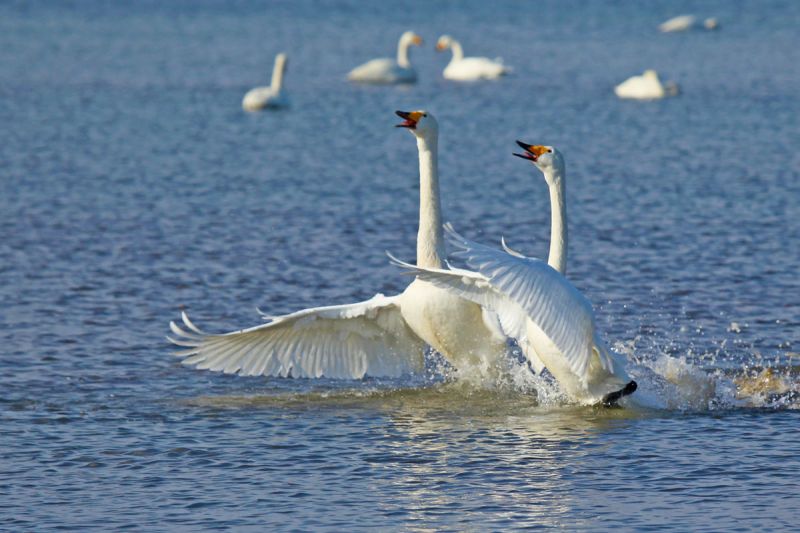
383	336
272	97
385	70
686	22
469	68
552	321
648	86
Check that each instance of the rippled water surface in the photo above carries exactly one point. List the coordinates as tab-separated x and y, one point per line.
132	186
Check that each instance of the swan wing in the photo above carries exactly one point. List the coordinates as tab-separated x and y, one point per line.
477	288
547	298
340	341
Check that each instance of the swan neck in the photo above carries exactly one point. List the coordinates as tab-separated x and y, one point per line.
458	52
558	222
277	74
402	52
430	241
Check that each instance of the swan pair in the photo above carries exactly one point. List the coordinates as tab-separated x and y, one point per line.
390	71
465	315
272	97
648	86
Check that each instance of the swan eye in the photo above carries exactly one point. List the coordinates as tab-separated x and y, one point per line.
424	114
549	151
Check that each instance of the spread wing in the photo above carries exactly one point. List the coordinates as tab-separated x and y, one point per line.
476	287
548	299
340	341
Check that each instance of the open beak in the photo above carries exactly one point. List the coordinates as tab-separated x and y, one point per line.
409	119
532	152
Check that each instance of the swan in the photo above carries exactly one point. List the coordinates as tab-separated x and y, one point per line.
385	70
272	97
552	321
686	22
469	68
648	86
382	336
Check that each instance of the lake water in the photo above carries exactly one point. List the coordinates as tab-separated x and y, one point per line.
133	186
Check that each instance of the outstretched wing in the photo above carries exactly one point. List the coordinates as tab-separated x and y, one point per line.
477	288
340	341
547	297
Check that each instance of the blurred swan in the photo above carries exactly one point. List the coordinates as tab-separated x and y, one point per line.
387	70
469	68
382	336
552	321
272	97
648	86
686	22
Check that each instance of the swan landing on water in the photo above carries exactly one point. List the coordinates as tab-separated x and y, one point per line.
272	97
386	70
382	336
551	320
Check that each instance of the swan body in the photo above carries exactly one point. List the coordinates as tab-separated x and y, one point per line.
386	70
272	97
648	86
382	336
686	22
552	321
463	68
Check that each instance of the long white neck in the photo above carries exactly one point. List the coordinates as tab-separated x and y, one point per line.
458	52
402	52
558	221
430	241
277	73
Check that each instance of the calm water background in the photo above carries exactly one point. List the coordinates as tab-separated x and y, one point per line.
132	184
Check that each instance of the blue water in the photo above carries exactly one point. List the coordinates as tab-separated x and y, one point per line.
132	186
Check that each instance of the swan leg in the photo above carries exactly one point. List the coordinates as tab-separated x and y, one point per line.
611	399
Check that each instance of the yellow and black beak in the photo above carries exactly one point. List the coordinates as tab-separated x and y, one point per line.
409	119
532	152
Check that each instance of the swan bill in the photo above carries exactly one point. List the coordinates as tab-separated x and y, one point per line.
532	152
410	119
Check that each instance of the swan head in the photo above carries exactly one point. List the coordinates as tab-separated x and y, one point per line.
410	37
421	123
444	42
546	158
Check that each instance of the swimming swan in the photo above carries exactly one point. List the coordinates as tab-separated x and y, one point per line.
463	68
686	22
272	97
387	70
552	321
648	86
382	336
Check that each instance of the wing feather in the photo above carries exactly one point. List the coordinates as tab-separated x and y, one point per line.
343	341
547	298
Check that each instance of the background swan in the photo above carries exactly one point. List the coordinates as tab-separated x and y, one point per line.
385	70
648	86
686	22
269	97
552	321
469	68
383	336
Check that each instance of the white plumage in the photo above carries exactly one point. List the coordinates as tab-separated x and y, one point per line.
648	86
463	68
383	336
272	97
386	70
